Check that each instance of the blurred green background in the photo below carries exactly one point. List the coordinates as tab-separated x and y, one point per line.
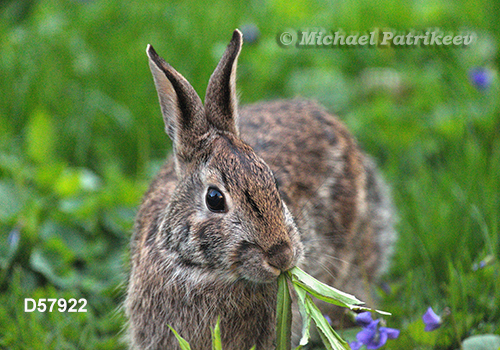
81	136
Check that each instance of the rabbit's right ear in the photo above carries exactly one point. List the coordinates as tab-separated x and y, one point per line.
221	103
183	112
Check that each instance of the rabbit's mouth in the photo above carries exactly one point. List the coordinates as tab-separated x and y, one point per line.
252	263
275	271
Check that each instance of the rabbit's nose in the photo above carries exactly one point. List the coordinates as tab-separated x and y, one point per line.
281	256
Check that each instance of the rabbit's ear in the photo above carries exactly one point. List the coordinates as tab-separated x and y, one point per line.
182	110
220	100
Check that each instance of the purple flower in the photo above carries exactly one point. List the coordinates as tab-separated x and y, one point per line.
328	319
13	238
431	320
480	78
364	319
483	263
355	345
372	335
375	337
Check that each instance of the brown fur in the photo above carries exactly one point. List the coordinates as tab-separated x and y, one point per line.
298	191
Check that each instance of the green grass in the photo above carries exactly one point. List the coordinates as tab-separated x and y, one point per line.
81	136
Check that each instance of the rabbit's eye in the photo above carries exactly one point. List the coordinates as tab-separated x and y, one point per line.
215	200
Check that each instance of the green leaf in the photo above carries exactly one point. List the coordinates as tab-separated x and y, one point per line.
482	342
72	181
216	340
11	200
330	338
306	318
41	137
283	315
50	261
416	331
323	291
182	342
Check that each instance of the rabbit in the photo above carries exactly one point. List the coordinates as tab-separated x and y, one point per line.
247	194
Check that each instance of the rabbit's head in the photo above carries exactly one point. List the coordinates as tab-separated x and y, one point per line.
226	215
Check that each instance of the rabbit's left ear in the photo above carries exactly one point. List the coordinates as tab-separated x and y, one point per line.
221	105
182	110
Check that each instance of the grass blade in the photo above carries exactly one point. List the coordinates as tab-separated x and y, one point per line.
306	318
284	315
182	342
323	291
302	280
330	338
216	339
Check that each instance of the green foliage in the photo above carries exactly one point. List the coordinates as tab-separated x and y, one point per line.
304	284
216	338
81	136
283	315
330	338
304	281
182	342
98	327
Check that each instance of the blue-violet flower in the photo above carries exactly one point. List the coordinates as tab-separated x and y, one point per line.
431	320
480	77
373	336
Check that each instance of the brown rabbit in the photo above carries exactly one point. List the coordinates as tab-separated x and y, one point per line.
247	195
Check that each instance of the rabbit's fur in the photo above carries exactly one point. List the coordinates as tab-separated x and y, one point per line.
297	191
